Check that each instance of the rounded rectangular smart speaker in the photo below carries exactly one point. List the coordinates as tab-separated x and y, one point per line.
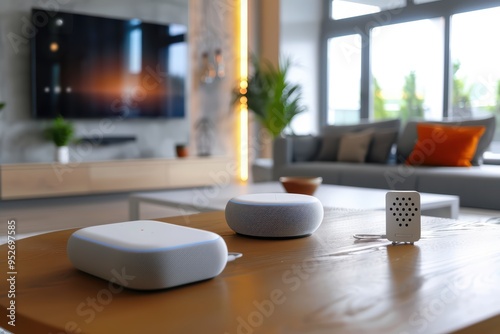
146	254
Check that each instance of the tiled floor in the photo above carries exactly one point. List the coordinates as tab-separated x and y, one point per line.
43	215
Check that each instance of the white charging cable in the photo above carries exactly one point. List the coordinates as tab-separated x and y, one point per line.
231	256
369	236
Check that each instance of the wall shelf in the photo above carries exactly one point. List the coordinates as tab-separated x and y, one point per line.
107	140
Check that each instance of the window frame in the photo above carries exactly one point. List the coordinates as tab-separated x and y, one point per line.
412	12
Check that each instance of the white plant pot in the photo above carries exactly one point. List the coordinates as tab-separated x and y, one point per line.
62	154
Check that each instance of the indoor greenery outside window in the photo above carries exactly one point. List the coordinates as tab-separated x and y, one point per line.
407	70
476	72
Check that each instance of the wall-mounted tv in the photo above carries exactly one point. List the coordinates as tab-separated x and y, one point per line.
88	67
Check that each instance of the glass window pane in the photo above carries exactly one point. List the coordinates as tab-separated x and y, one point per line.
475	56
407	70
344	76
342	9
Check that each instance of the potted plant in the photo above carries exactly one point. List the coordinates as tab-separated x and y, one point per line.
61	133
2	104
271	96
181	150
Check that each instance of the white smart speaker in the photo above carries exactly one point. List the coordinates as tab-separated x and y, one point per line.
274	215
147	255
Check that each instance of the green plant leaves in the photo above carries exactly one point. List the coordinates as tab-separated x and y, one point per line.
60	132
274	100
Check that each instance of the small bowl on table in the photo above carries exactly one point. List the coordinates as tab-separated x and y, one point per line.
305	185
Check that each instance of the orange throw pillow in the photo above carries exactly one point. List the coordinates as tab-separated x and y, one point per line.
445	145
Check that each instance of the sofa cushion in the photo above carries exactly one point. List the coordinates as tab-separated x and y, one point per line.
329	148
477	186
305	148
353	147
331	135
408	137
444	145
381	145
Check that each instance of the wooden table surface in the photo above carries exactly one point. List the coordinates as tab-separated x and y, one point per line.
325	283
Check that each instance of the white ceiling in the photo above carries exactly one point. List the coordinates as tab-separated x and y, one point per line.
293	11
378	3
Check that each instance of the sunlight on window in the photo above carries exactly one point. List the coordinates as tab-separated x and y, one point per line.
344	79
475	55
407	69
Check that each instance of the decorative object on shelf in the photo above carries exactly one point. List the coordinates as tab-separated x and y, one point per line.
204	136
219	64
271	96
207	69
2	105
212	69
61	133
62	154
181	150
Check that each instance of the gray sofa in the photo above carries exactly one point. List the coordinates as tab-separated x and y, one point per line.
477	186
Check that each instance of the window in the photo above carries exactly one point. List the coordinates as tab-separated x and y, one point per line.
475	57
342	9
407	70
431	59
344	79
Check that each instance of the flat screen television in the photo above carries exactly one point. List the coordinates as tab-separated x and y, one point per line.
88	67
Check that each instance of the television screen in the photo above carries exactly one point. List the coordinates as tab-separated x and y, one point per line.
91	67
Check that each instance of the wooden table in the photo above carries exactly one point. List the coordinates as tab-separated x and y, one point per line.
325	283
331	196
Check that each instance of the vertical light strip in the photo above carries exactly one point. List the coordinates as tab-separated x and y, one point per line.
243	107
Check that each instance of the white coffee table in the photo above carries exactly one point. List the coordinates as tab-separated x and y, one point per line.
331	196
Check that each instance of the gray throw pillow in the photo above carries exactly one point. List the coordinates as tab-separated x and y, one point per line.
331	135
305	148
353	147
408	138
381	145
329	148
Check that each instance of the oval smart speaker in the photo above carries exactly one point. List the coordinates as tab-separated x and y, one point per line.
274	215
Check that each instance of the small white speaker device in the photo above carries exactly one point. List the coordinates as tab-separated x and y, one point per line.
402	209
147	255
274	215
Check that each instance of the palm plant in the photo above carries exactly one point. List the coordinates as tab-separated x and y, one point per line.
274	100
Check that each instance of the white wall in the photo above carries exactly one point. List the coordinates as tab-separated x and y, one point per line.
300	40
213	24
21	138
